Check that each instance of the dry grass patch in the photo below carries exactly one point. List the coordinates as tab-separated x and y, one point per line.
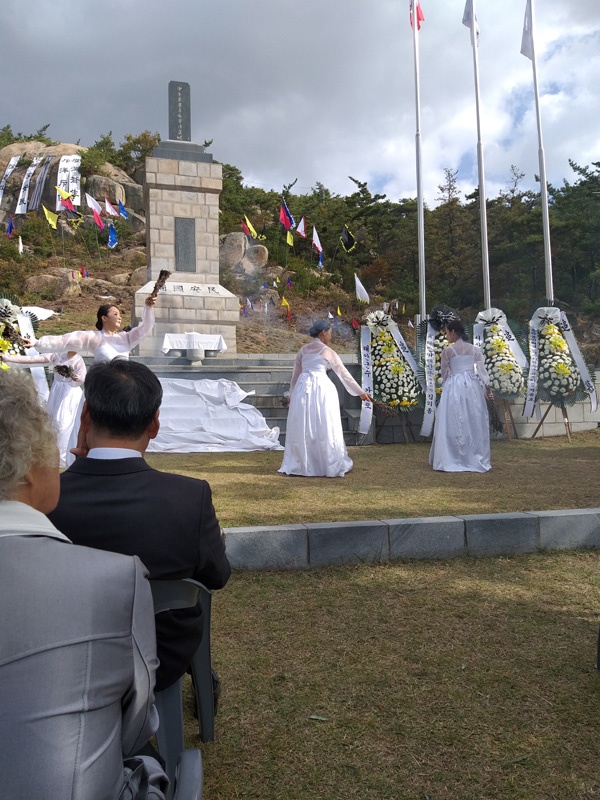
449	680
396	481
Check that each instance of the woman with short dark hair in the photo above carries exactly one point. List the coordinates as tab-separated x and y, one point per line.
461	437
314	439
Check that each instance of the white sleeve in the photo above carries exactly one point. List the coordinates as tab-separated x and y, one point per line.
350	385
79	341
135	335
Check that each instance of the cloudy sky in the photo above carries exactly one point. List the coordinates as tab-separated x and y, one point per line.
314	90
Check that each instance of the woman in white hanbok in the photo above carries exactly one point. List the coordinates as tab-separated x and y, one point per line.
65	395
461	437
105	343
314	440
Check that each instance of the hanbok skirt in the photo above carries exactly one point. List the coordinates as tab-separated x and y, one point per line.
64	408
314	439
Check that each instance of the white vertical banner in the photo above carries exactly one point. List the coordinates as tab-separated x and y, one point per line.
366	411
578	358
429	412
69	179
24	193
10	168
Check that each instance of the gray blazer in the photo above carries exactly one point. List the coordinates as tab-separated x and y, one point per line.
77	662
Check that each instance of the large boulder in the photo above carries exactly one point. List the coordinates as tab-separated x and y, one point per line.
100	187
232	249
134	197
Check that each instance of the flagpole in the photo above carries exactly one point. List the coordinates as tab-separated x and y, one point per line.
543	183
485	259
420	208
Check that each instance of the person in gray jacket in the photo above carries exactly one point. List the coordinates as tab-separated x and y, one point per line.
77	640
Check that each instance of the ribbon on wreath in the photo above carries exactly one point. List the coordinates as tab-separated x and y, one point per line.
405	350
494	316
581	366
366	409
429	411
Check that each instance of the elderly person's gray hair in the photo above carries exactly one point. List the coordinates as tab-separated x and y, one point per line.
318	327
27	436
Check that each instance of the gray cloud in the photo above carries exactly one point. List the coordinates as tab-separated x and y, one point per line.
318	90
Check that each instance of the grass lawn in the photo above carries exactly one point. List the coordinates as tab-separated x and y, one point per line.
471	679
459	680
394	481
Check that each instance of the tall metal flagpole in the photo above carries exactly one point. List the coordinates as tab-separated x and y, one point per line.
528	50
415	22
470	20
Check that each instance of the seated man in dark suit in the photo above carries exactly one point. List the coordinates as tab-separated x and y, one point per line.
111	499
77	641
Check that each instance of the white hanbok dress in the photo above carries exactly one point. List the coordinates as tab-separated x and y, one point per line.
65	395
314	440
461	436
103	346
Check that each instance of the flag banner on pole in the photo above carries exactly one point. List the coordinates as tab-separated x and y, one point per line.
93	204
98	220
67	204
74	218
110	209
10	227
320	261
40	182
289	283
527	48
112	236
10	168
289	238
329	315
470	20
316	242
284	303
245	228
250	227
361	292
420	15
50	216
20	246
301	229
339	313
24	193
122	212
347	239
287	221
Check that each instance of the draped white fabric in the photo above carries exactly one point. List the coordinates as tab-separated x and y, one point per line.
461	437
208	417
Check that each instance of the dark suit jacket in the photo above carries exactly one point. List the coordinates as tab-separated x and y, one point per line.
169	521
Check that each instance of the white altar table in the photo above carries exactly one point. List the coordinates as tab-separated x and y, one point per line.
193	341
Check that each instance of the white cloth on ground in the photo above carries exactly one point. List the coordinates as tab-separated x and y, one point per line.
208	417
461	437
314	439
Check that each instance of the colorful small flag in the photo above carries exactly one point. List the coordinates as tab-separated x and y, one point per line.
355	323
284	303
10	227
93	204
122	212
263	234
251	231
285	216
301	229
277	279
289	238
249	303
112	236
245	228
527	48
98	220
348	240
63	194
420	16
316	242
245	310
403	308
289	283
339	313
50	217
265	285
320	262
329	315
20	246
361	292
410	325
110	209
67	203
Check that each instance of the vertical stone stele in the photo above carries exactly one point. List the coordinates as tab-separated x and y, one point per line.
181	197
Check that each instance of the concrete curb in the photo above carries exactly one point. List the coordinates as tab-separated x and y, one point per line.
375	541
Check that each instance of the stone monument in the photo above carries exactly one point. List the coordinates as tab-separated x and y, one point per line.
181	197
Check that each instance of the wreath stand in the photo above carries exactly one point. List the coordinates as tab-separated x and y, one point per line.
407	431
509	422
565	420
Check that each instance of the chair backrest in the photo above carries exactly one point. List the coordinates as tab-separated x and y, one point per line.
182	593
